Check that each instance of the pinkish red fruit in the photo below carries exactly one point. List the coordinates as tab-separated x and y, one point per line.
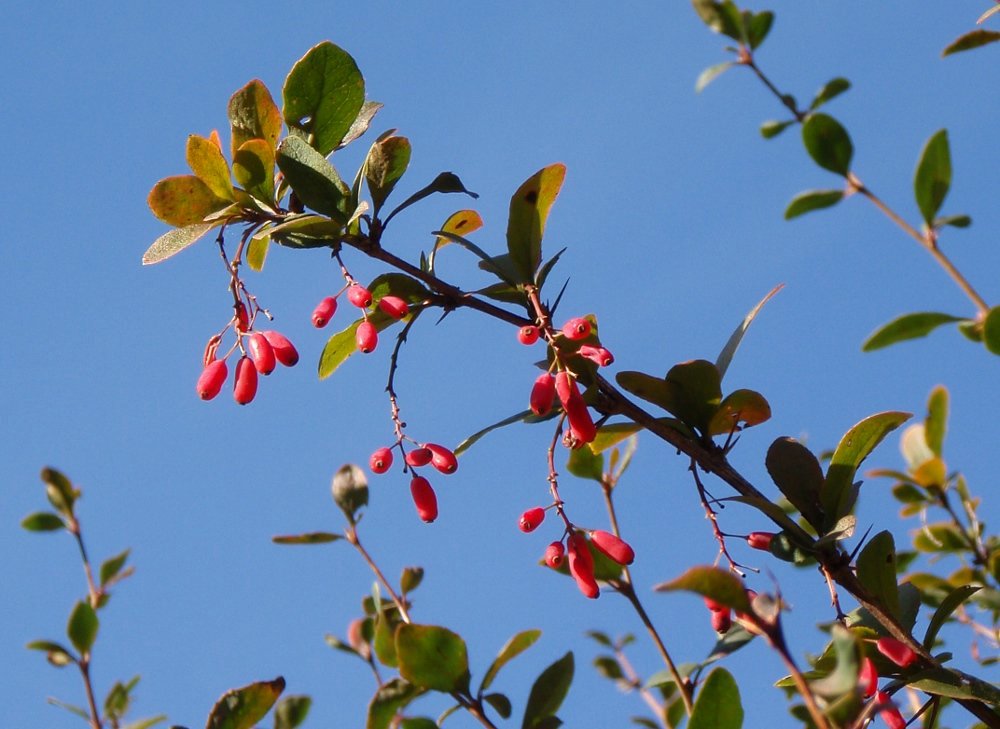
581	424
419	457
760	540
890	714
528	334
242	318
598	355
896	651
543	394
554	554
284	350
366	337
262	353
424	498
324	312
868	678
245	386
531	519
394	306
714	606
211	379
576	328
442	458
722	621
581	565
359	296
381	460
612	546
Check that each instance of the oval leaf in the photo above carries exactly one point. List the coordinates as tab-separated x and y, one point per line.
933	176
112	567
313	179
388	700
877	570
241	708
529	211
744	407
253	167
806	202
828	143
42	521
512	648
972	39
387	161
718	584
432	657
718	704
291	711
82	627
908	326
798	475
183	200
831	89
254	115
991	330
206	161
548	693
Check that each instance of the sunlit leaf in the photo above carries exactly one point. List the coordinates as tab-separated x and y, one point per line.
307	538
361	123
725	357
313	179
260	242
710	74
393	695
511	649
721	17
55	653
445	182
908	326
548	693
584	463
772	128
529	211
291	711
254	115
350	490
831	89
387	161
806	202
721	585
933	176
936	423
253	167
973	39
460	223
175	241
242	708
955	684
207	163
432	657
183	200
717	705
828	143
758	27
59	490
744	407
112	567
611	435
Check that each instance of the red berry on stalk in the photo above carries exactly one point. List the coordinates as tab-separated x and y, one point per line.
576	328
531	519
366	337
722	621
394	306
211	379
262	353
581	424
284	350
324	312
359	296
581	564
896	651
245	386
424	498
868	678
714	606
598	355
612	546
528	334
760	540
554	554
419	457
442	458
890	714
242	318
381	460
543	394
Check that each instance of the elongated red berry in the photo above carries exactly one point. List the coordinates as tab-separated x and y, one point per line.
527	334
419	457
722	621
890	714
543	394
598	355
323	312
442	458
581	425
381	460
896	651
530	519
211	379
284	350
581	565
714	606
760	540
868	678
554	554
612	546
242	318
359	296
366	337
424	498
576	328
580	422
394	306
262	353
245	385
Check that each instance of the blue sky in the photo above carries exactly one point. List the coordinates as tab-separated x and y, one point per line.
672	212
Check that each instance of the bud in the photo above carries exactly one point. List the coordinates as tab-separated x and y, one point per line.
599	355
241	316
394	306
284	350
419	457
554	554
760	540
245	386
896	651
442	458
581	565
576	329
542	394
613	547
381	460
359	296
211	380
528	334
868	678
531	519
366	337
262	353
324	312
424	499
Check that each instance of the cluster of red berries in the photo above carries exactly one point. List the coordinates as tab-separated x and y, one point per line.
441	458
366	335
261	351
904	657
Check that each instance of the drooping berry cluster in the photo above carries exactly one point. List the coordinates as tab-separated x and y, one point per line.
441	458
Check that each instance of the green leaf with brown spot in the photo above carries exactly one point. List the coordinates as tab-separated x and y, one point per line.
432	657
254	115
242	708
529	211
387	160
183	200
207	163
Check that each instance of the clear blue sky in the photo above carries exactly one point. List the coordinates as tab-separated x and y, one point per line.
672	212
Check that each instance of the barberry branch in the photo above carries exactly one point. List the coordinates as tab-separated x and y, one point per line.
636	684
351	534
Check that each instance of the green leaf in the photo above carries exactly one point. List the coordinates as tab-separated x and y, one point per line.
500	703
511	649
973	39
951	603
584	463
828	143
383	640
253	167
350	490
472	439
183	200
941	537
387	161
82	627
55	653
291	711
42	521
612	435
112	567
955	684
936	422
432	657
725	357
806	202
548	693
392	696
740	406
146	723
411	579
444	182
718	703
207	163
734	639
696	391
718	584
991	330
720	17
955	221
257	250
323	95
831	89
529	211
798	475
647	387
772	128
877	570
844	677
254	115
933	176
313	179
307	538
710	74
59	490
175	241
241	708
908	326
418	722
758	27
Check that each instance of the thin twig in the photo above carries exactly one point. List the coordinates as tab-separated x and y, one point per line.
351	534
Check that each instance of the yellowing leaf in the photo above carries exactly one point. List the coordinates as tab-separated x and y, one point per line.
205	159
183	200
461	223
529	210
254	115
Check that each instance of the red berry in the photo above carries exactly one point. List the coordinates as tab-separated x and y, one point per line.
890	714
381	460
581	564
531	519
394	306
613	547
324	312
577	328
714	606
211	380
245	386
262	353
442	458
366	337
581	424
722	621
760	540
419	457
599	355
543	393
868	678
896	651
242	318
284	350
359	296
424	498
554	554
528	334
